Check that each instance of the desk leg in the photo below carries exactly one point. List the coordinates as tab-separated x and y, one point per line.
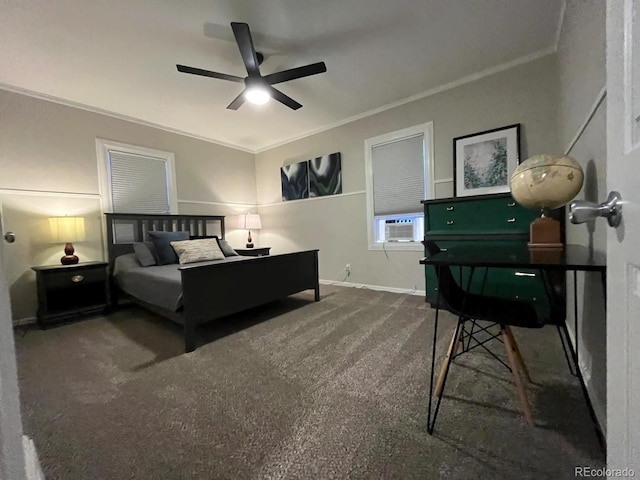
575	315
573	350
431	423
583	386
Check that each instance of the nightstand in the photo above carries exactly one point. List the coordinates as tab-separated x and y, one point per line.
69	291
253	252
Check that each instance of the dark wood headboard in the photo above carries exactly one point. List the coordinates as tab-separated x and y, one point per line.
124	229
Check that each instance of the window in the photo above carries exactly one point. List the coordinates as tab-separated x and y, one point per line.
399	175
136	179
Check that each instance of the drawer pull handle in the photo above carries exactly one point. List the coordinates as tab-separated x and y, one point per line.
511	204
77	278
449	222
525	274
511	220
450	209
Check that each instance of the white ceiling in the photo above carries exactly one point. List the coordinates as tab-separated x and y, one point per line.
119	56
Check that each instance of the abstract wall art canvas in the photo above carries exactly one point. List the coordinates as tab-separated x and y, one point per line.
325	175
484	161
313	178
294	179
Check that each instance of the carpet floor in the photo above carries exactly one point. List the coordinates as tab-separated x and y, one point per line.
335	389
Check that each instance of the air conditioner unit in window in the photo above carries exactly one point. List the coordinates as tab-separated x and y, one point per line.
398	230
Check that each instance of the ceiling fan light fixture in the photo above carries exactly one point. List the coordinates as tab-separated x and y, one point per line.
257	95
258	88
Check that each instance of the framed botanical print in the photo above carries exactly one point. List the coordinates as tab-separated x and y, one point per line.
484	161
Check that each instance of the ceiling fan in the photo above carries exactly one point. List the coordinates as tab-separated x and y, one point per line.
258	88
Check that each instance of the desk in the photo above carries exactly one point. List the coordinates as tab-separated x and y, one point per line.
572	258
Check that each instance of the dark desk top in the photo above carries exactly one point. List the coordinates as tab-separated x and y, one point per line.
572	257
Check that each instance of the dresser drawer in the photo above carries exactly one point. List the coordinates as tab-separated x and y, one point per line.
495	215
75	278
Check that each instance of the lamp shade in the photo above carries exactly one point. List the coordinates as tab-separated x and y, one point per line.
250	221
67	229
546	181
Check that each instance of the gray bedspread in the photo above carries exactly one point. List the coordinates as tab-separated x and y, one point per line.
159	285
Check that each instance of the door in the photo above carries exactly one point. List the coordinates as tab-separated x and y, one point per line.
12	464
623	242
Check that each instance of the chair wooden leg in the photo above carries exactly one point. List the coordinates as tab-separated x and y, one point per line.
524	402
516	351
451	352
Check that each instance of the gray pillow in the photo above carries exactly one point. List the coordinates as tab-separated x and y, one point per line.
165	254
226	248
144	253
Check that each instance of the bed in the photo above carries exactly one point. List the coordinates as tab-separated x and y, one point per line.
197	293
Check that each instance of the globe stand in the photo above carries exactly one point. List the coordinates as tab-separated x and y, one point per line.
544	233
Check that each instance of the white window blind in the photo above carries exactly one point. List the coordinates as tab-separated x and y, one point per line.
139	183
398	176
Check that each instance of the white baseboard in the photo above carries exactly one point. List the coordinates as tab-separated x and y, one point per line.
32	464
18	322
408	291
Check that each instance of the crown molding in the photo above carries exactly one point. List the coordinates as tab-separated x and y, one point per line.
428	93
119	116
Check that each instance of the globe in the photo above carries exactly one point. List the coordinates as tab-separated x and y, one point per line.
546	181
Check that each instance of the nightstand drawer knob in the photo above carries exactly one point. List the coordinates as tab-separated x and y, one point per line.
449	209
511	220
77	278
449	222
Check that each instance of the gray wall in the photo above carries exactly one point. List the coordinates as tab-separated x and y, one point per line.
582	73
526	94
48	167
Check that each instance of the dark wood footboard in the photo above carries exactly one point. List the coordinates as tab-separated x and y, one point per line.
216	290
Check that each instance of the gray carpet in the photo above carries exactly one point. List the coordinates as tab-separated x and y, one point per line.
296	390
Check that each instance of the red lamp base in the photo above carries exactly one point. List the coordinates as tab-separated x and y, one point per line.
69	258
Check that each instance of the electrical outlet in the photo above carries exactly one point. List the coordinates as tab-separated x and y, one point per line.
347	268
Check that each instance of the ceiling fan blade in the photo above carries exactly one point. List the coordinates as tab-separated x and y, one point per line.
238	101
284	99
294	73
207	73
247	50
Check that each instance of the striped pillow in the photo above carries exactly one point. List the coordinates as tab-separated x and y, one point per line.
190	251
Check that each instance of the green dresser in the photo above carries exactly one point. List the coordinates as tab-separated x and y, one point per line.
494	220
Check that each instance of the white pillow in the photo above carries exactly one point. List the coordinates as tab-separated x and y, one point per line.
190	251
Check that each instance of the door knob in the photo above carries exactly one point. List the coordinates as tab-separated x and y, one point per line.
10	237
582	211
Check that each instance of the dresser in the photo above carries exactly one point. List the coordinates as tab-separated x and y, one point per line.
490	222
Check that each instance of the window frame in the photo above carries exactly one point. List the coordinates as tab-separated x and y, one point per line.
426	129
102	149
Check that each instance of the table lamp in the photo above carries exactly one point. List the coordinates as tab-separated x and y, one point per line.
68	230
546	182
250	221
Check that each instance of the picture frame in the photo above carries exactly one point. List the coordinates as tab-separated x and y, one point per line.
484	161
